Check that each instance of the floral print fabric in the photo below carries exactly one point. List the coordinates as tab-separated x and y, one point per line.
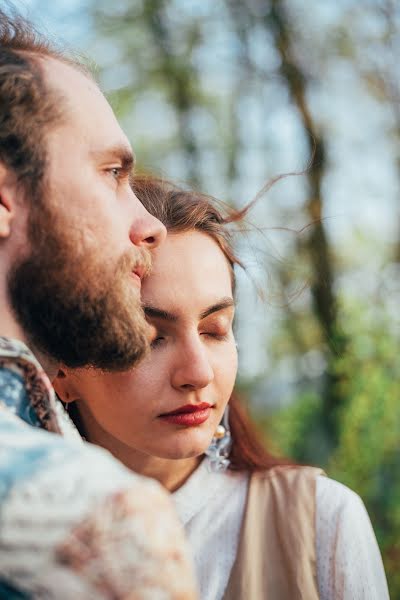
74	523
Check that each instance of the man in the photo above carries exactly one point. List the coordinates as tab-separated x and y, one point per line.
74	244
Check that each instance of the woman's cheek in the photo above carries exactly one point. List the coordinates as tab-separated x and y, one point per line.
227	368
152	373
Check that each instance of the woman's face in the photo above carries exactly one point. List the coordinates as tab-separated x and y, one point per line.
170	405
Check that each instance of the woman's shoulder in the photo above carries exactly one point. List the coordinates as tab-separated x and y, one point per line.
341	517
329	493
287	478
335	500
335	503
339	512
348	558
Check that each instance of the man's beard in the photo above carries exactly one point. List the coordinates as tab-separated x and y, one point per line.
75	308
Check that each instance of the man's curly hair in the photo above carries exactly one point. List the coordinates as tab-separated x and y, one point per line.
29	107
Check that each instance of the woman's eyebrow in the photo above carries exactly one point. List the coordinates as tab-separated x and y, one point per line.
158	313
221	305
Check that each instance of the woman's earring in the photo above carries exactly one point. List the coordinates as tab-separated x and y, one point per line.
221	444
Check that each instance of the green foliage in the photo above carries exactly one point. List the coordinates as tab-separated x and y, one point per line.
367	456
295	430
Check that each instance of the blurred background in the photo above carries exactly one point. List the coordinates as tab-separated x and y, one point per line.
225	95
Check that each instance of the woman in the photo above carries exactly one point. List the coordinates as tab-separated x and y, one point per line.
259	527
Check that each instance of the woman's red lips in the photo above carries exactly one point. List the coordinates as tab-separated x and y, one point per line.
188	408
189	415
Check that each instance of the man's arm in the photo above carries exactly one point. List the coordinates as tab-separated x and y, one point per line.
131	546
75	523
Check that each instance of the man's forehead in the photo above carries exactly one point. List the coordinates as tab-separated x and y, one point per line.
79	92
85	104
60	74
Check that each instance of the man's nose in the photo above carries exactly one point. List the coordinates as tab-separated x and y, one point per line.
147	230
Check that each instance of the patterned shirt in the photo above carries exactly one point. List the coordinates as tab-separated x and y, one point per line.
75	523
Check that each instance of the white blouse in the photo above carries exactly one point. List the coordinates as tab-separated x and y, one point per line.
211	508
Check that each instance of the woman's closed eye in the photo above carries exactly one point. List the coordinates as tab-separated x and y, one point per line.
218	336
217	328
158	341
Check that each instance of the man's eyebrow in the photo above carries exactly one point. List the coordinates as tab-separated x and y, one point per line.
221	305
119	152
158	313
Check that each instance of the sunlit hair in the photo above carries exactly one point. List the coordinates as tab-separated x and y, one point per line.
182	210
29	106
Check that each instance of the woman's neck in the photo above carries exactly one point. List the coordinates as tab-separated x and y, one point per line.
172	474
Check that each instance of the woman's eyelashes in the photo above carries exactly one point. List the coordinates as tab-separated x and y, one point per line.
161	339
218	329
157	341
218	337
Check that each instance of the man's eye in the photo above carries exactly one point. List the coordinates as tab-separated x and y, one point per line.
116	172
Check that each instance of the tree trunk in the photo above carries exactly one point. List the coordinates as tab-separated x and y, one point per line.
179	78
324	300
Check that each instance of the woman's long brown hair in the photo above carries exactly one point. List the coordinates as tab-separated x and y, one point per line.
182	210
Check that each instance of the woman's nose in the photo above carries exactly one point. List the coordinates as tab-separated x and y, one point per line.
193	370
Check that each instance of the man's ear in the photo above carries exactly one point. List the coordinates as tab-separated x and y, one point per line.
6	202
63	384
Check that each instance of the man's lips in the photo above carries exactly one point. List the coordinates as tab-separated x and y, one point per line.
188	415
136	278
140	269
138	273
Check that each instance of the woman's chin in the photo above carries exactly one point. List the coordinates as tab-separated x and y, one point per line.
180	449
180	455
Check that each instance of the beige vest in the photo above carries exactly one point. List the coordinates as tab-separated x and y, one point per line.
276	557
